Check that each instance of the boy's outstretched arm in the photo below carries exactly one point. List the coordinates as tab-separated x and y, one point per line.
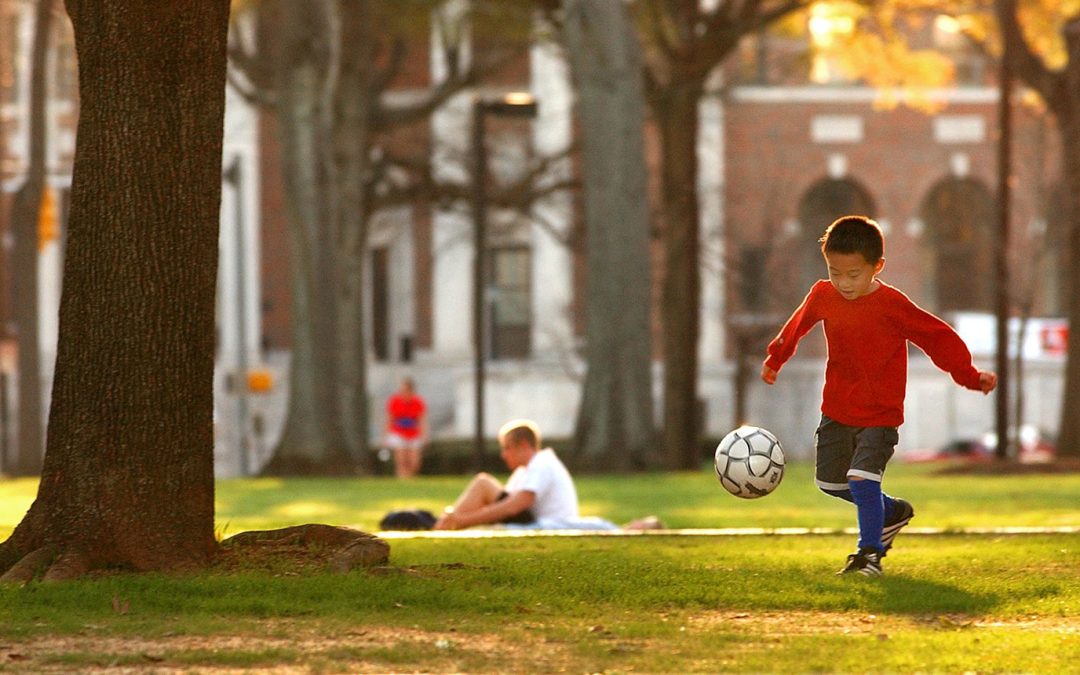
987	381
768	375
798	324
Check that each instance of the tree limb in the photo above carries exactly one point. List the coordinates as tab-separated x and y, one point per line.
383	79
255	95
1029	67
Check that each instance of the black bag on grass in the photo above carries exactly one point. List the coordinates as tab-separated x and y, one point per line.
411	519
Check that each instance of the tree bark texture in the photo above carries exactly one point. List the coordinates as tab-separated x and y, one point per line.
25	214
615	420
128	473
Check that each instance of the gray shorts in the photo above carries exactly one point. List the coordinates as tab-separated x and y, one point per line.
843	452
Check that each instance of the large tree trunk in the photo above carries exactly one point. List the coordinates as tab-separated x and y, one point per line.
676	115
312	441
615	420
353	137
128	474
25	214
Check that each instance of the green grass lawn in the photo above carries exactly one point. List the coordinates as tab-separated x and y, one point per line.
681	500
948	603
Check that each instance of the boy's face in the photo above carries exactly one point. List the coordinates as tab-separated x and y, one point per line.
515	454
851	274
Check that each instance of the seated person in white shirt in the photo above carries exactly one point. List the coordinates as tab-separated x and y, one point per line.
539	489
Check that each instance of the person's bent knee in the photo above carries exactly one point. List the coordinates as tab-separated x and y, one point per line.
486	483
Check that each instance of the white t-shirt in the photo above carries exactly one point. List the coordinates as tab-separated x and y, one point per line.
546	477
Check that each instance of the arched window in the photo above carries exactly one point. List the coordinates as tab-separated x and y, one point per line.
958	215
824	202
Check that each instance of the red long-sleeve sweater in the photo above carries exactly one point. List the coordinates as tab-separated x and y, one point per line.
866	371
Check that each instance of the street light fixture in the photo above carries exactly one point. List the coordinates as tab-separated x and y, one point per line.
514	104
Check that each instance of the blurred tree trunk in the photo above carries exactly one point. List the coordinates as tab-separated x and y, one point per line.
676	115
128	476
24	279
615	420
358	96
312	441
684	41
1058	88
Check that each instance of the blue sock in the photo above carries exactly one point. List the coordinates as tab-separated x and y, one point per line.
871	511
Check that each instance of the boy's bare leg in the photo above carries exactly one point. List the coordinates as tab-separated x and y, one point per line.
406	462
484	489
414	461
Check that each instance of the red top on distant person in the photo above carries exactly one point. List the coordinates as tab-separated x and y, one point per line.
405	414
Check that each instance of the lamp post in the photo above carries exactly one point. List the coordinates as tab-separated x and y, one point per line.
1001	259
518	104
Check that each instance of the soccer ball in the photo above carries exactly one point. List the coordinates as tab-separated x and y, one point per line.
749	462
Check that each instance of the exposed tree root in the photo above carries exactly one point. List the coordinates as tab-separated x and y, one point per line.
347	548
70	565
29	566
292	550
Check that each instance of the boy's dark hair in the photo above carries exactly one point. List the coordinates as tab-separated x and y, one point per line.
854	234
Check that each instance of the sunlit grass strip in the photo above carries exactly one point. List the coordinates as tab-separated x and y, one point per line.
499	533
681	500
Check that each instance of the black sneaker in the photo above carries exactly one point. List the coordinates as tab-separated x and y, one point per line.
867	562
902	515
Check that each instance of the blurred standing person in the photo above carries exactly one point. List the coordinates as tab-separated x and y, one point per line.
406	428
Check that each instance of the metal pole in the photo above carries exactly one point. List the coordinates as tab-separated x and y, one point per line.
479	275
1001	452
510	105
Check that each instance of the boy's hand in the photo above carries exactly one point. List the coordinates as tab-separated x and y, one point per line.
987	381
769	375
449	521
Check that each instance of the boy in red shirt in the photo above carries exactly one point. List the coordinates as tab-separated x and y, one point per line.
867	327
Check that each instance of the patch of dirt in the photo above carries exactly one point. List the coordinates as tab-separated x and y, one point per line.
1060	465
833	623
338	652
285	647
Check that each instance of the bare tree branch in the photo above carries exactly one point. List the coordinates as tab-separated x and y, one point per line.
383	79
1031	69
255	95
243	58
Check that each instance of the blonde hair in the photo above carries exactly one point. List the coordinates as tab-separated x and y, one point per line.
520	431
